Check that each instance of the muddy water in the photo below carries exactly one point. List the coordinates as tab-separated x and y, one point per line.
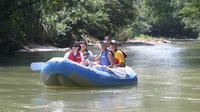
169	81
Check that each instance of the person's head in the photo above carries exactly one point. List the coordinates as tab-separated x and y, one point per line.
113	45
107	39
102	45
83	45
75	47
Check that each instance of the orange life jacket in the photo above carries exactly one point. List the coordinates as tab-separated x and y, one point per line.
76	58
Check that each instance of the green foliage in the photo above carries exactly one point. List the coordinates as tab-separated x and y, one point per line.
147	37
161	18
140	27
191	15
19	22
91	17
60	22
124	33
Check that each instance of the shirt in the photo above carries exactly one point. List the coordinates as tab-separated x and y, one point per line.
119	56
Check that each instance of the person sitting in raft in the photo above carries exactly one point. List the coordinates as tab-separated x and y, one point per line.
118	55
74	54
87	54
106	58
107	40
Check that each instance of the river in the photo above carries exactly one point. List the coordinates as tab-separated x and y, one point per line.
169	81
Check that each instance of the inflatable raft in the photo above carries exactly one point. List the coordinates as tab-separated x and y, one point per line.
63	72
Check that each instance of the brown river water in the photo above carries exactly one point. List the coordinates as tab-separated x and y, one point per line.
168	81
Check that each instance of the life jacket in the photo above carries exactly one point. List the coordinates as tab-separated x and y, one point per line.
104	58
76	58
116	60
86	54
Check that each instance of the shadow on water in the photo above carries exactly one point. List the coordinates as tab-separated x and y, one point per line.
26	58
91	88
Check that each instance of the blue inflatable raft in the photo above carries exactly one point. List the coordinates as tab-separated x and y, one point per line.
60	72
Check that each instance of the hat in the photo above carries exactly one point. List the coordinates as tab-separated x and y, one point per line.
83	42
75	45
102	42
114	42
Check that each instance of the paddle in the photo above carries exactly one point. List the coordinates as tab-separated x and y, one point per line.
37	65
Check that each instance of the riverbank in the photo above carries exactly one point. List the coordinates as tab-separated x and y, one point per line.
33	47
41	48
144	41
47	48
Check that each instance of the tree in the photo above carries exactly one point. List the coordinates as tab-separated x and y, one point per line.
191	15
16	27
163	19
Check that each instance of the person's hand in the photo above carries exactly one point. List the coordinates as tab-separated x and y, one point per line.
116	65
97	65
95	57
87	61
103	66
83	62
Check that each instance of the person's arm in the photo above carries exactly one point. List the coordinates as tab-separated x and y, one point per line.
121	64
95	57
82	58
111	60
66	55
95	62
92	56
92	63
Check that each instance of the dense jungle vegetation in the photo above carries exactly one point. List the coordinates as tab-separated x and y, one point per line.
60	22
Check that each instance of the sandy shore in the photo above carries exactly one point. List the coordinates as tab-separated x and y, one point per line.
47	48
140	40
41	48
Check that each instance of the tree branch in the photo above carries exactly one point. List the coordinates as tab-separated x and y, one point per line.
7	16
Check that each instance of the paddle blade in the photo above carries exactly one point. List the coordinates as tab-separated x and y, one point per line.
37	65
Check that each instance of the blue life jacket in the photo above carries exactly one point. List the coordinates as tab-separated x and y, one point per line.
104	58
86	55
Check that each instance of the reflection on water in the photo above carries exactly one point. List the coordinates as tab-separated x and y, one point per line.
85	100
168	81
159	55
